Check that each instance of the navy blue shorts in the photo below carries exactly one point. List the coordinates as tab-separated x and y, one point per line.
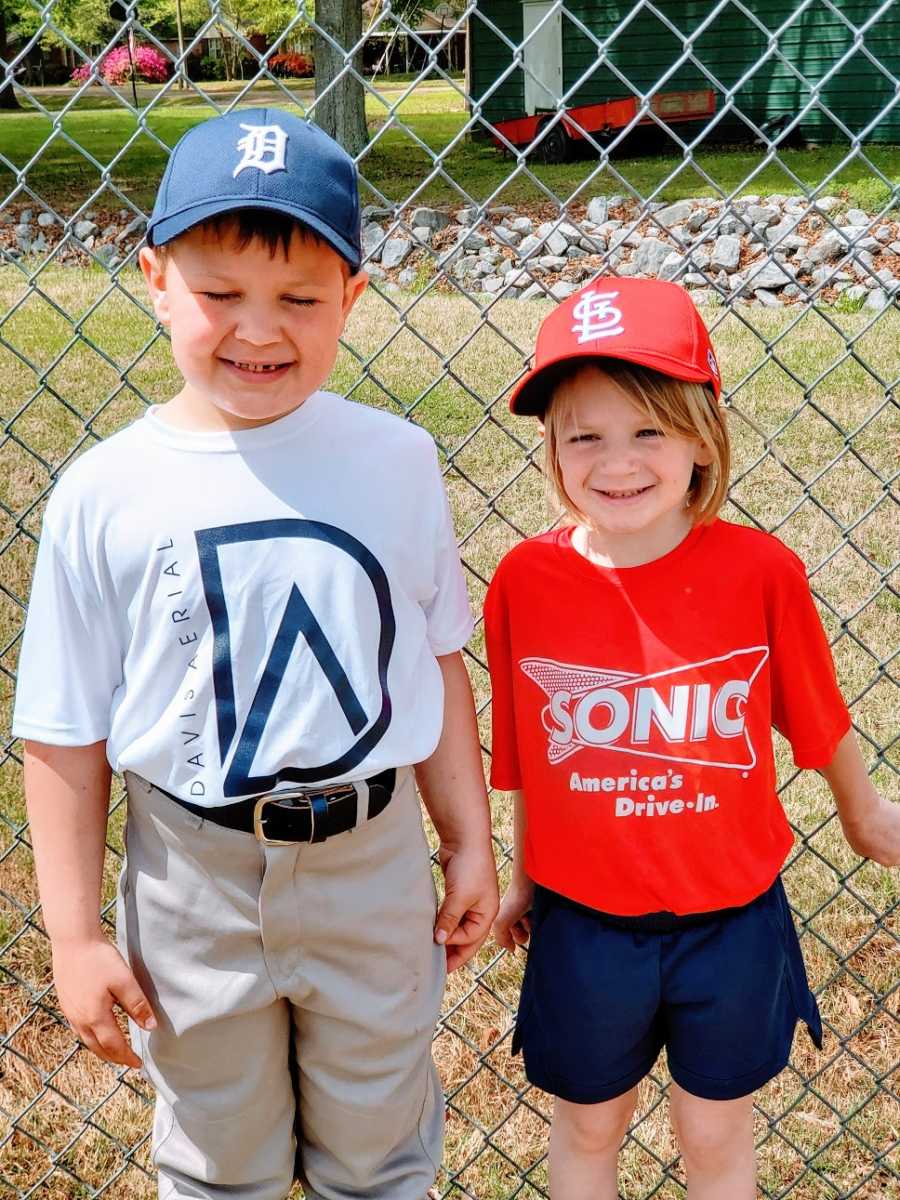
722	993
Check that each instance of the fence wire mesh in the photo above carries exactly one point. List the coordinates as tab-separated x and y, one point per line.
490	194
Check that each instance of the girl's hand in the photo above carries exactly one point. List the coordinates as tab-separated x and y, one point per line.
513	925
877	835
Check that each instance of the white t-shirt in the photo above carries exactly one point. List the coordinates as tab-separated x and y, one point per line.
234	611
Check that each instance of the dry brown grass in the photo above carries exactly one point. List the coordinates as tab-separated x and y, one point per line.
829	1125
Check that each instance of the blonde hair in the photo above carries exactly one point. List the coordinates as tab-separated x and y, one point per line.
673	405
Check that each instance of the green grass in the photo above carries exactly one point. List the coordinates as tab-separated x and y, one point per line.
395	164
785	452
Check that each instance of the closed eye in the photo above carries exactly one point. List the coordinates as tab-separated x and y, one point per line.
652	433
220	295
302	301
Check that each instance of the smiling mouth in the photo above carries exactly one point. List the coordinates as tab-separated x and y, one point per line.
624	493
256	368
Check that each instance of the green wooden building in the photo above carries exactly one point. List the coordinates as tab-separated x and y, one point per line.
729	51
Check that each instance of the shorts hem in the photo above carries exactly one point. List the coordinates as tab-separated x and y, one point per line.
727	1089
597	1094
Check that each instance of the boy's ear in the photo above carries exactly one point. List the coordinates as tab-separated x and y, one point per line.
354	286
155	276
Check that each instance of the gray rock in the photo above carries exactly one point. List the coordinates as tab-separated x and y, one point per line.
529	245
493	284
534	292
504	266
46	219
767	299
39	245
481	269
856	216
608	228
894	248
521	278
465	216
25	216
791	291
877	300
625	237
763	214
395	251
726	253
697	220
856	292
109	232
883	233
559	291
371	237
730	226
694	279
826	276
429	218
22	230
553	240
423	234
779	231
523	225
114	262
576	252
23	243
374	271
598	210
553	262
508	237
595	244
470	241
489	253
826	203
794	241
769	276
570	232
650	255
671	265
815	224
698	259
617	201
372	212
674	214
829	246
88	242
138	225
105	254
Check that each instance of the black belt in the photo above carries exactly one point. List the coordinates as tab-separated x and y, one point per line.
298	814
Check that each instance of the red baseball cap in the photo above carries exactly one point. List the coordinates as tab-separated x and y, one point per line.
646	321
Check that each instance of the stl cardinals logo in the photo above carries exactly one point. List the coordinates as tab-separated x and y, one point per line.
595	316
691	714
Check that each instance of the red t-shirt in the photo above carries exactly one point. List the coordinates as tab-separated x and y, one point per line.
634	706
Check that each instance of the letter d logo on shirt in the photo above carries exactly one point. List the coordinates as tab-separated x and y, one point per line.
296	620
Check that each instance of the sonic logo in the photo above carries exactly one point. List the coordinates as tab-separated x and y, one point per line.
693	713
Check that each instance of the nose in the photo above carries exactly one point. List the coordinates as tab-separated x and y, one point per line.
257	326
616	460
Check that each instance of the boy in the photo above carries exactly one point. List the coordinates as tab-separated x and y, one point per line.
249	603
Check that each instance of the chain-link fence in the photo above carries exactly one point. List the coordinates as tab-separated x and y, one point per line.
508	153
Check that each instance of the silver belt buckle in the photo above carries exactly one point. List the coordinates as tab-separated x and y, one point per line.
294	794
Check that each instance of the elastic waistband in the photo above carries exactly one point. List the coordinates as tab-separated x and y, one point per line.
655	922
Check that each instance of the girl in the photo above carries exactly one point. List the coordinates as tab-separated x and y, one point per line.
639	658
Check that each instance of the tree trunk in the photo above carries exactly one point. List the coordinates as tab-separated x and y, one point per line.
8	98
342	112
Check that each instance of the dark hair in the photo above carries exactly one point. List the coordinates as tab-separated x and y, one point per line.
274	229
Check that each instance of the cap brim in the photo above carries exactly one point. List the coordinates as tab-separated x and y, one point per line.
171	227
532	393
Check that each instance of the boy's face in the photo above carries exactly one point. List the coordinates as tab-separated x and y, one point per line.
253	335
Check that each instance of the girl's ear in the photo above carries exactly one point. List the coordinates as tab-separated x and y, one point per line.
540	428
703	456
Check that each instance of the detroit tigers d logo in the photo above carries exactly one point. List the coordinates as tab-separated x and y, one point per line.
296	620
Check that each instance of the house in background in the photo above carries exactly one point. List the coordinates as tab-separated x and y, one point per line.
564	63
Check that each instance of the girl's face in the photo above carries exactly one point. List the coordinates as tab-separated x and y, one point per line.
628	477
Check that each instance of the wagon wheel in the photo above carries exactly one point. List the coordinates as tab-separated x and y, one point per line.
555	146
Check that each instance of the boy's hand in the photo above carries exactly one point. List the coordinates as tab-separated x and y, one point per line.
513	925
470	901
91	976
877	835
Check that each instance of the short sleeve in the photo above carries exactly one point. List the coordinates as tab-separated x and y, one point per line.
505	770
69	666
448	613
807	705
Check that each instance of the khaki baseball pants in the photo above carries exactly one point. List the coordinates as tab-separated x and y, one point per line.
296	989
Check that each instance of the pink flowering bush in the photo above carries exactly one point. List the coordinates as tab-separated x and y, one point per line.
149	65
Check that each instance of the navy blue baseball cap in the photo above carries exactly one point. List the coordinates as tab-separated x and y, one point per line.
260	158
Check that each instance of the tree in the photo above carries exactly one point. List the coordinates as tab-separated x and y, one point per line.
342	111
